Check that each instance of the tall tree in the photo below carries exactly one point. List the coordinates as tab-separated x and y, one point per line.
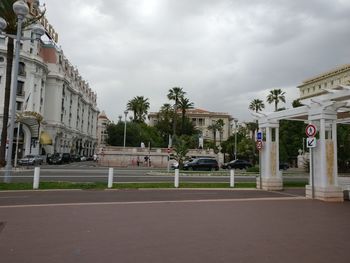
184	105
275	96
139	105
175	94
216	126
6	12
256	105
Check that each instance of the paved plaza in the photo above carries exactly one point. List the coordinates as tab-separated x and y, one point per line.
172	226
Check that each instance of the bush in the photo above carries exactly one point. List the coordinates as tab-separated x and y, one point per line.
254	169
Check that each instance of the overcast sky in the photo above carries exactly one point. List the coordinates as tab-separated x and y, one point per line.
223	53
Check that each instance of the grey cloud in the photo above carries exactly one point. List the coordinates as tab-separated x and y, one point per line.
223	53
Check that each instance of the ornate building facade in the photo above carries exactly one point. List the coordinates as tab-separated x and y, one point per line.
319	85
56	108
201	120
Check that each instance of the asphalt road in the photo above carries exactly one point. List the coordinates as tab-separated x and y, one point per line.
171	226
89	172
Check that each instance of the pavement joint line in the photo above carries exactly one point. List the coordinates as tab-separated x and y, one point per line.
282	193
156	202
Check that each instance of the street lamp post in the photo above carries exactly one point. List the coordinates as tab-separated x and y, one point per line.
236	123
21	10
125	114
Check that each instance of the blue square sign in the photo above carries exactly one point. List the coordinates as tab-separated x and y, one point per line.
259	136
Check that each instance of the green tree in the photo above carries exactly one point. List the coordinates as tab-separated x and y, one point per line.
135	134
256	105
180	150
139	105
216	126
275	96
164	121
296	103
6	12
184	105
175	94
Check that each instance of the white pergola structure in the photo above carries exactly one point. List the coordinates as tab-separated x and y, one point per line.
324	111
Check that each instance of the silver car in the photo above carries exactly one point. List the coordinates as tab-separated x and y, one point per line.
30	160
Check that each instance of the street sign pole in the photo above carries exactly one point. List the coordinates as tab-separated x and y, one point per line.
260	179
312	173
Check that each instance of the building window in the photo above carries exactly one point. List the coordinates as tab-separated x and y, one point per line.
19	105
20	88
201	122
2	59
21	69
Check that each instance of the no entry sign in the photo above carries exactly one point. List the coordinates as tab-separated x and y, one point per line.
310	130
259	145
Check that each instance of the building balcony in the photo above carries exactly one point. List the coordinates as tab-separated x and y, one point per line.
20	94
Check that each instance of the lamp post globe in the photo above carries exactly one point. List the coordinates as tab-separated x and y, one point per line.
38	30
3	24
20	8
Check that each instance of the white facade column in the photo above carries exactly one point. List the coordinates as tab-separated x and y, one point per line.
270	176
335	150
325	168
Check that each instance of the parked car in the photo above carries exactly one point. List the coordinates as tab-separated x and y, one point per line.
284	166
61	158
201	164
83	158
50	157
237	164
75	158
174	164
30	160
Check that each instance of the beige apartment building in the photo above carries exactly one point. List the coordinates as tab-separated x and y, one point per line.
319	84
102	135
201	120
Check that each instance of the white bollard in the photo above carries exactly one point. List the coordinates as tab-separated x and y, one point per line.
176	180
36	178
232	178
110	177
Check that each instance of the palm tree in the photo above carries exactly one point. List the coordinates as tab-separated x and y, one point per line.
7	13
139	105
256	105
275	96
184	105
216	126
175	94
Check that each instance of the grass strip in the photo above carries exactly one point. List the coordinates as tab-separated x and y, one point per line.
102	186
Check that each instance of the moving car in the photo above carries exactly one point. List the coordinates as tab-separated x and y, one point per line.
30	160
237	164
201	164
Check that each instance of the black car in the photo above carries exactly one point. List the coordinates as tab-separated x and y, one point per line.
61	158
51	157
202	164
284	166
237	164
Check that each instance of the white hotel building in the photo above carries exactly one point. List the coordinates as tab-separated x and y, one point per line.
56	108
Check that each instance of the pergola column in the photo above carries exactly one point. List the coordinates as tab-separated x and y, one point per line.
324	158
271	177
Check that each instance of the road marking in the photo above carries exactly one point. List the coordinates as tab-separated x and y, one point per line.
156	202
11	197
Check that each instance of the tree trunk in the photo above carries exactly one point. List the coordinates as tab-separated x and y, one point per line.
9	62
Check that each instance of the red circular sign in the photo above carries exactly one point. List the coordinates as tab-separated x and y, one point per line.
259	145
310	130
